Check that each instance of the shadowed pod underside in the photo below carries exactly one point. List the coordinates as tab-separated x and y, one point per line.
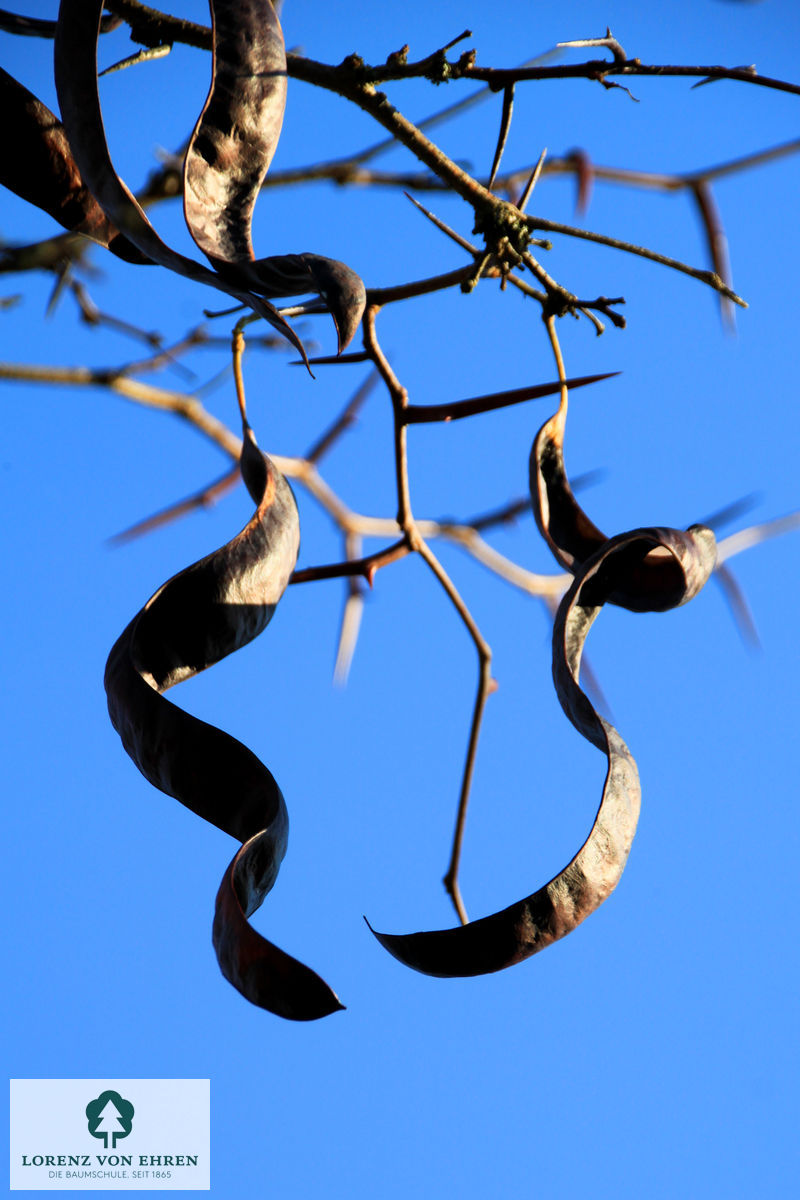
36	163
197	618
228	157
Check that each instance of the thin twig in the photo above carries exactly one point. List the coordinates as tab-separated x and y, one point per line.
152	27
176	403
415	541
709	277
365	567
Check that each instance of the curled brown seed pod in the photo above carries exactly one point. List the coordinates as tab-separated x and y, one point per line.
237	132
228	157
37	164
524	928
201	615
76	84
653	584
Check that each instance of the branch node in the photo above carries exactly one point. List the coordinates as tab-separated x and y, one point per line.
398	58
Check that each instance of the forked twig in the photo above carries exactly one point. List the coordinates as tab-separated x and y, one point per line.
417	542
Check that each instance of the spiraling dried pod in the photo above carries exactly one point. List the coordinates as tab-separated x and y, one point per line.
37	164
653	584
201	615
76	84
524	928
228	157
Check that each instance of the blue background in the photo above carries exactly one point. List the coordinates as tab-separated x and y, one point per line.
654	1051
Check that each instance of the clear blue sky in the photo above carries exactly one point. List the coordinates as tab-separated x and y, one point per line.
654	1051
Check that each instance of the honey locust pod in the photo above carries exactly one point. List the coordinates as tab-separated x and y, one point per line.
76	84
523	929
227	160
206	612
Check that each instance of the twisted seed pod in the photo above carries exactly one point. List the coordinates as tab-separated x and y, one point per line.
237	133
647	570
37	164
76	84
508	937
228	157
653	584
198	617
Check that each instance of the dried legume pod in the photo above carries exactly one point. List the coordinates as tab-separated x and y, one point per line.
653	585
228	157
508	937
76	84
37	164
198	617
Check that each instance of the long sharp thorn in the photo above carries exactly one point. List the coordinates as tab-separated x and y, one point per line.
451	233
531	184
502	137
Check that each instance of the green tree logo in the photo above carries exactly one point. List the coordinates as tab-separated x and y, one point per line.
109	1116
